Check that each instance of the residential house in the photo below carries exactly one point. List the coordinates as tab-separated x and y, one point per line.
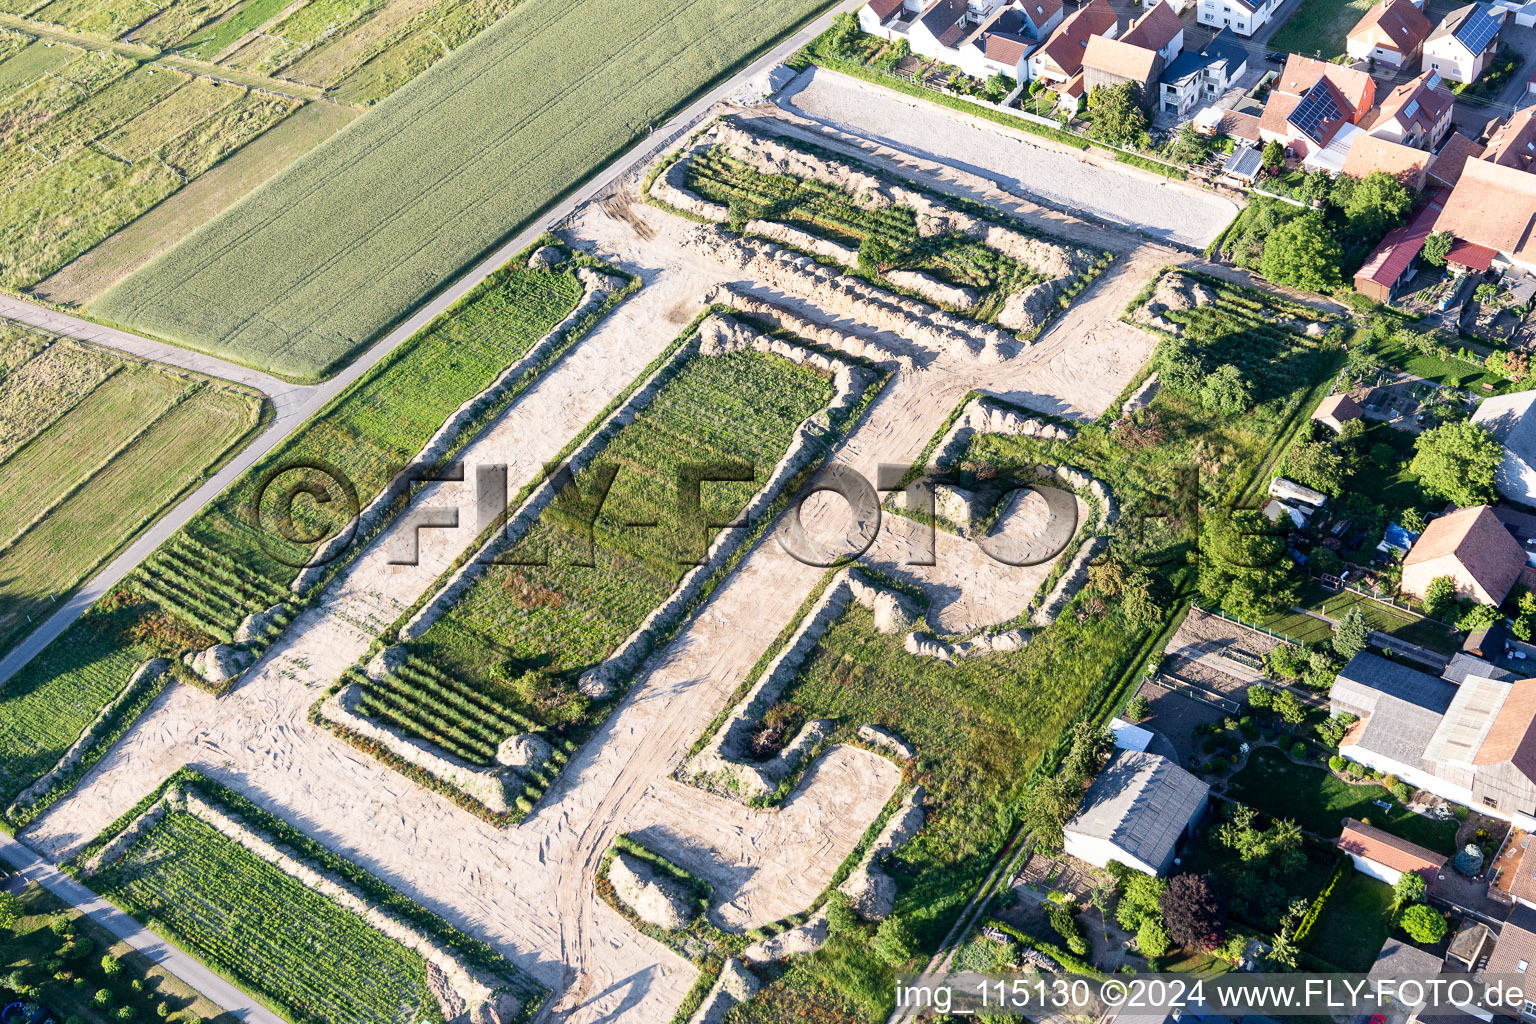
1245	17
1515	951
1491	211
1391	262
1415	114
1336	410
1445	167
1509	419
1385	857
1060	60
1312	101
1110	62
980	37
1135	812
1158	29
1472	547
1392	32
1513	143
1472	742
1460	46
1198	79
1367	154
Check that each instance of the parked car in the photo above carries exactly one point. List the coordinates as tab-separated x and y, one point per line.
1275	57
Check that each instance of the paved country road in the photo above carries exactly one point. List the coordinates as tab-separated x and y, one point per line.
186	968
295	403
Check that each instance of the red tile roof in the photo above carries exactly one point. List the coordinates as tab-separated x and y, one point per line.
1445	166
1355	88
1476	258
1155	29
1513	144
1397	251
1373	844
1367	153
1428	103
1474	538
1493	205
1394	25
1067	43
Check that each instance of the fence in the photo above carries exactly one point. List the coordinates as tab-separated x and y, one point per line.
1248	625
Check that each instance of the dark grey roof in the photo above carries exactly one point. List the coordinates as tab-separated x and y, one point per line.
1373	672
1142	803
943	20
1464	665
1400	730
1398	958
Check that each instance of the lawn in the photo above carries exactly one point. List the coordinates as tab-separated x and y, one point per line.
464	156
1394	487
1319	802
1309	629
302	952
1453	371
1319	27
138	985
1355	923
93	467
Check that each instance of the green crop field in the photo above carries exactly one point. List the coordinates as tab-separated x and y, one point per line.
308	955
92	450
523	633
80	163
1319	27
362	229
380	422
302	952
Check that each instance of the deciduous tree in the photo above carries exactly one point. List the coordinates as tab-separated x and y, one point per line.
1193	913
1303	254
1456	461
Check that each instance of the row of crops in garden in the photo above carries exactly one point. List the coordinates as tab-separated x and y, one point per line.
197	588
312	959
421	700
209	589
889	233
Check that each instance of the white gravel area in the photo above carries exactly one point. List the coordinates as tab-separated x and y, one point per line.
1167	211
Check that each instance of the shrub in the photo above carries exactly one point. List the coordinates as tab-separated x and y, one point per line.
111	965
1152	937
102	998
894	942
1299	751
1138	708
841	918
61	925
1423	925
125	1014
1402	791
1356	770
1337	763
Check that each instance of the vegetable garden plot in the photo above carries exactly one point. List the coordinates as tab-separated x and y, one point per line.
551	622
107	19
177	21
312	934
892	231
392	62
293	36
53	90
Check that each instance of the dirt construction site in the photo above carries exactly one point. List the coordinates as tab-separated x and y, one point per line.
531	889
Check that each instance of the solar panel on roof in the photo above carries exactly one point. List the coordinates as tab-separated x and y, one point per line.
1315	109
1433	81
1412	108
1477	30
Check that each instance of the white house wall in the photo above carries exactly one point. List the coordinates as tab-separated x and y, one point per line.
1420	779
1373	869
1099	852
1516	479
